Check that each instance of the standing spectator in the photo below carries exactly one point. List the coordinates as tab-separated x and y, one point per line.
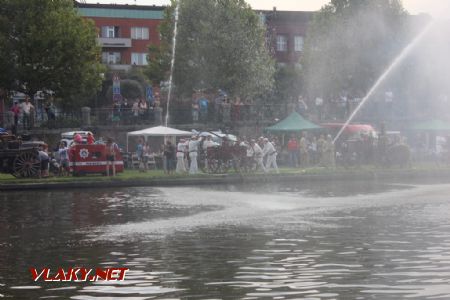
135	111
320	149
116	112
111	151
292	148
141	156
126	110
226	110
90	138
203	103
218	105
44	159
302	108
237	109
169	154
195	110
319	108
312	149
142	109
303	146
50	110
63	155
27	109
15	109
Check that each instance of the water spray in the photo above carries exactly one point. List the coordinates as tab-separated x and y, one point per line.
172	62
380	80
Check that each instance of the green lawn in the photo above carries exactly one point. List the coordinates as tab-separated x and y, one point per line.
130	175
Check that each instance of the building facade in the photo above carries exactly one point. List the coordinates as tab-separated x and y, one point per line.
124	31
286	33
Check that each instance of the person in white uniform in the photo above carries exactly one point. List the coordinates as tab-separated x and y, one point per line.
271	153
181	148
193	153
256	151
207	144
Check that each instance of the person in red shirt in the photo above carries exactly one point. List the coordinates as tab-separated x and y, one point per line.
16	111
292	148
90	138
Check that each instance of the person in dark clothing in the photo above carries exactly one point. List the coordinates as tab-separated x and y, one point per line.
169	155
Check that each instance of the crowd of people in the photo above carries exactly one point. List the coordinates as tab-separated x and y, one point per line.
261	153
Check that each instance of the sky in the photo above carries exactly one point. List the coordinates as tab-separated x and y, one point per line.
436	8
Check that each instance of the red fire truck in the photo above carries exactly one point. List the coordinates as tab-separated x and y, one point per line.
89	159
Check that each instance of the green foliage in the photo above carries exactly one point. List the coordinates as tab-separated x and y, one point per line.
220	44
288	83
350	43
130	89
45	45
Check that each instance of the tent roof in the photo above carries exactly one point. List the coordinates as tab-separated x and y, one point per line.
159	131
432	125
294	122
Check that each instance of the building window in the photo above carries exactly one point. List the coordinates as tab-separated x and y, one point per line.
298	43
139	33
281	43
139	59
110	31
111	58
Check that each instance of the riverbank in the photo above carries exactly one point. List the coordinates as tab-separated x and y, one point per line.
131	178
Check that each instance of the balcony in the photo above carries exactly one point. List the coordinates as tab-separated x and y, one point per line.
114	42
119	67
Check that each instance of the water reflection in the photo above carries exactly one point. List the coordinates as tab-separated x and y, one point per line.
361	240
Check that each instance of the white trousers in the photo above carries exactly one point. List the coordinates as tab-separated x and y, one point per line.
272	162
260	162
194	167
181	167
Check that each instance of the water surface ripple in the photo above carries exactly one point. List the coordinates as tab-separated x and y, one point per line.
362	240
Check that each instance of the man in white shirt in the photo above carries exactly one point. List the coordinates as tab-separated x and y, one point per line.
271	153
193	153
256	151
181	149
208	144
27	109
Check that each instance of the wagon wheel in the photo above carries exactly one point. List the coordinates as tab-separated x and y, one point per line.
213	166
26	164
224	165
249	165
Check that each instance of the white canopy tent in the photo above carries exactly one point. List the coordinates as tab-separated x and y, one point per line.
158	131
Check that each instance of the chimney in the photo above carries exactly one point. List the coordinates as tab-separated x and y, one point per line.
274	9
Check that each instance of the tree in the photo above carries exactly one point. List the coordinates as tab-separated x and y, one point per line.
46	46
350	43
220	44
288	83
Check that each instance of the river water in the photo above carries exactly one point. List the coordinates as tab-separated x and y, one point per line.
328	240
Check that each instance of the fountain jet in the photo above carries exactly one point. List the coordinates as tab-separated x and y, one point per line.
383	76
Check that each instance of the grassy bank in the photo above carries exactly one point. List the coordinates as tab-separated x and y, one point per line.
134	175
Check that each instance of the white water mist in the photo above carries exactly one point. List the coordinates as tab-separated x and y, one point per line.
380	80
172	62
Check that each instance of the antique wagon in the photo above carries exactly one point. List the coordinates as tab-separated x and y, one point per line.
18	158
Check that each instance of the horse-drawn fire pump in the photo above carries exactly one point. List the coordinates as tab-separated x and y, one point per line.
18	158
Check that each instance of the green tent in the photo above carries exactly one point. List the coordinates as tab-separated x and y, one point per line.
293	123
432	125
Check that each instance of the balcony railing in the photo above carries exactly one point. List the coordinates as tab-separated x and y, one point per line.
114	42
